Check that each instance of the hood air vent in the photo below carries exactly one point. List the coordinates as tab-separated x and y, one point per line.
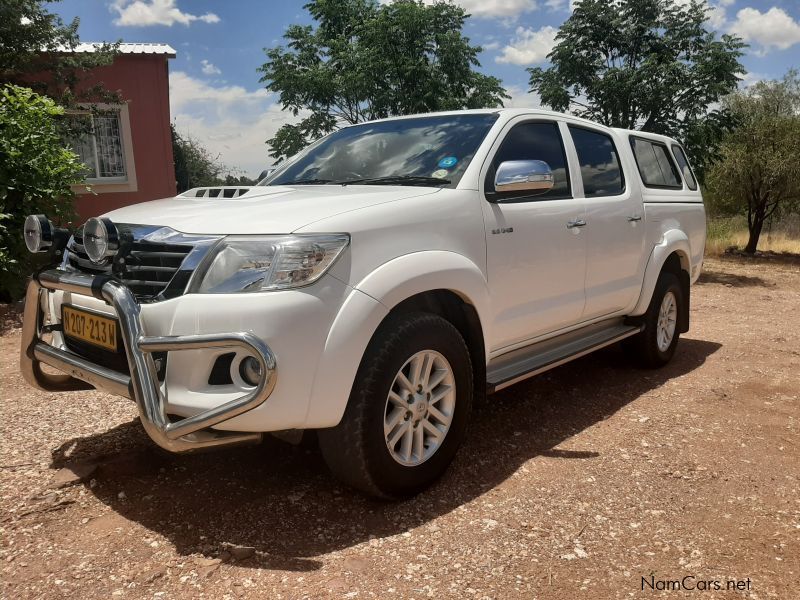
216	192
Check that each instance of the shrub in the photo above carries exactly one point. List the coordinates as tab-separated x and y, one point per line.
36	171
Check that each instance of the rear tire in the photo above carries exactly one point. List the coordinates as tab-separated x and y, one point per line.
655	345
408	411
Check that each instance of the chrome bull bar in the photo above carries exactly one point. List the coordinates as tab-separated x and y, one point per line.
142	385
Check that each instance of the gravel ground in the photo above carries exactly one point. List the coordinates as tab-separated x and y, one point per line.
578	483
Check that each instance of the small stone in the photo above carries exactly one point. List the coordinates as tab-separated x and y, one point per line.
72	474
151	576
202	561
208	570
122	496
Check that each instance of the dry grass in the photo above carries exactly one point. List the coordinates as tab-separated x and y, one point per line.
727	232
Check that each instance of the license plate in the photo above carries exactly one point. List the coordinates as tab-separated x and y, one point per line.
90	327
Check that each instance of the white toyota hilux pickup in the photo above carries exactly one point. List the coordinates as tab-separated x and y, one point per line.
374	285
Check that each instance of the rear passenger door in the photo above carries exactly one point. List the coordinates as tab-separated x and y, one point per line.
614	228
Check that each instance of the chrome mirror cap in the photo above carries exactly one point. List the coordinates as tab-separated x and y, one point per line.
523	175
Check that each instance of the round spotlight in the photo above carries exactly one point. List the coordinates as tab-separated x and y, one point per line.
100	239
250	370
38	233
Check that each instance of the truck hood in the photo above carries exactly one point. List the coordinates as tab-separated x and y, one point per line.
260	209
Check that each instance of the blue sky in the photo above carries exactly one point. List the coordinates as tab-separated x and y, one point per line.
215	95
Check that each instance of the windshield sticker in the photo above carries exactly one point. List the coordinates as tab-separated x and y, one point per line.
448	162
440	173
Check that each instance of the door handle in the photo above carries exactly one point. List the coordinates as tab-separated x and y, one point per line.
634	218
576	223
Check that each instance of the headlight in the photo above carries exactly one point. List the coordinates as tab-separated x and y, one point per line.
100	239
257	264
38	233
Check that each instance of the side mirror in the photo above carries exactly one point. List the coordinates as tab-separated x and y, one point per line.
523	176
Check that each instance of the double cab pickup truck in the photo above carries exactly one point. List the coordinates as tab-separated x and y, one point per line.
373	286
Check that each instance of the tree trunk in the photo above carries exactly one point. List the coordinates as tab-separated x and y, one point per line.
755	231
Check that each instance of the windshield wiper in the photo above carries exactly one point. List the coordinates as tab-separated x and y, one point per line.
304	182
397	180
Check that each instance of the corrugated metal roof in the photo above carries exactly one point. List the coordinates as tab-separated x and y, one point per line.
130	48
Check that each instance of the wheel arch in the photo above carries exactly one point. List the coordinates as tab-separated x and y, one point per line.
671	255
443	283
461	313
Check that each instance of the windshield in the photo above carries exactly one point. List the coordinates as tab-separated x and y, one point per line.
431	150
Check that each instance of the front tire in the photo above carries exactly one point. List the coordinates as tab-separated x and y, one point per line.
655	345
408	410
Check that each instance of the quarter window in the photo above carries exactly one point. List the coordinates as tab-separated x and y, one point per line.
655	165
683	164
600	168
533	141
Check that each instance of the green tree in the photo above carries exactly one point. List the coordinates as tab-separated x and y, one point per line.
34	41
365	60
195	166
757	171
643	64
37	169
231	179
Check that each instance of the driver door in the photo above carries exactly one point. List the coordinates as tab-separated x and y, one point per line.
536	247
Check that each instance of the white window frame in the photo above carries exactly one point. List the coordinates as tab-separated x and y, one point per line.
126	183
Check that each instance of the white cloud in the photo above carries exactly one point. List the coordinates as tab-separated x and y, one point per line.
23	20
490	9
229	120
155	12
529	46
521	98
749	79
559	4
497	8
209	68
717	15
771	29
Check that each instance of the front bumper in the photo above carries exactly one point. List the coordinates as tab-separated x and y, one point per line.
142	385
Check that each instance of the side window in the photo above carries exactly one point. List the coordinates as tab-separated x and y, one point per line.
99	145
600	168
683	165
668	168
533	141
655	166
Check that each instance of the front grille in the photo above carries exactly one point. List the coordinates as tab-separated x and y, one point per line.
147	267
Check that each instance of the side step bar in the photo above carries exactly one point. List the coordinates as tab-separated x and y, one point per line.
526	362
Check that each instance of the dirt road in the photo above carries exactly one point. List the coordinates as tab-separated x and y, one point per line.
576	484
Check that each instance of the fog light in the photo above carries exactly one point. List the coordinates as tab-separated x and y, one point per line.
100	239
250	370
38	233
